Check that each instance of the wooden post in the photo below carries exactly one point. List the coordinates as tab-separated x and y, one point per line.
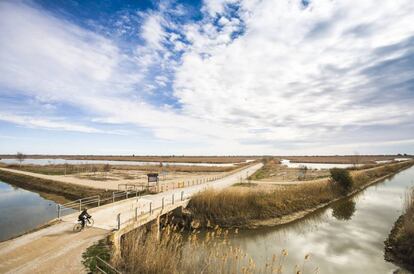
119	220
58	210
173	199
162	203
80	205
150	208
136	213
182	195
113	197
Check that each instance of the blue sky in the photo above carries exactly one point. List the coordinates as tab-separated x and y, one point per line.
207	77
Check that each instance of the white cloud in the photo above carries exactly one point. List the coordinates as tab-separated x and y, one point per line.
46	123
293	77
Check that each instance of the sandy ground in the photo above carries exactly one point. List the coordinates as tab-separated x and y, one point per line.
113	184
56	249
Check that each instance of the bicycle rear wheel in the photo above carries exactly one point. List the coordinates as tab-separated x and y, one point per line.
77	227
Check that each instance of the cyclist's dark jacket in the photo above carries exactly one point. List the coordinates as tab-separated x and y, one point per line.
83	215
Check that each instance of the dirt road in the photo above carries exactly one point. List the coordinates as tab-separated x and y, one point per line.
55	249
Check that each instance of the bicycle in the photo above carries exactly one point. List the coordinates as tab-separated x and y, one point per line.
78	226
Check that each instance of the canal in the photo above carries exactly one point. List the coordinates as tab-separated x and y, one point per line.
347	237
22	210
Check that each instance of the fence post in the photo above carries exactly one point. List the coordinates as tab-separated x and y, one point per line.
58	207
162	203
99	200
182	195
136	213
113	197
119	221
173	199
150	209
126	195
80	205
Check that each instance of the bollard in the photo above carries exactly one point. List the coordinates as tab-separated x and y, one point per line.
119	221
162	203
182	195
173	199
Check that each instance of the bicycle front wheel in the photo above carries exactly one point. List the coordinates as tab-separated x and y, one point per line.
90	222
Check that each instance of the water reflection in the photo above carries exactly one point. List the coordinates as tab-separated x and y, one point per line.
343	210
345	238
22	210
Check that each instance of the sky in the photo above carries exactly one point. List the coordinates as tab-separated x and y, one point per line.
213	77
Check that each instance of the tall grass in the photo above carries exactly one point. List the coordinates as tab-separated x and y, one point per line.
175	252
237	205
409	213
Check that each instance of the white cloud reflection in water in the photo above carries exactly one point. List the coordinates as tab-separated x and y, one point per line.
337	245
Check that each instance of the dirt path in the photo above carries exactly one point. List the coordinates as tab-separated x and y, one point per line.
55	249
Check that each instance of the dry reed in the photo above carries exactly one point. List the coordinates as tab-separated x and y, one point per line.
173	252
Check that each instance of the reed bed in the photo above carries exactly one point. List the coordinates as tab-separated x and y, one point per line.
175	252
409	215
237	206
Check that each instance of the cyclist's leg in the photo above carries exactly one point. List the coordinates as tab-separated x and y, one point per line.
83	222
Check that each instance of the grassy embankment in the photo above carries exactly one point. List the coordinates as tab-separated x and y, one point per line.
399	247
246	207
69	191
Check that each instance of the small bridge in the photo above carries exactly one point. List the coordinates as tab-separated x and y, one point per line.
114	219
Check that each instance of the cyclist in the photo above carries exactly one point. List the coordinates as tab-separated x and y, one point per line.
83	216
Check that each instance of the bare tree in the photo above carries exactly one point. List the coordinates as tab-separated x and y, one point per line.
20	157
66	165
356	159
94	169
302	172
106	169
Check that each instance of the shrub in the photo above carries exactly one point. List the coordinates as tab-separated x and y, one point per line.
342	177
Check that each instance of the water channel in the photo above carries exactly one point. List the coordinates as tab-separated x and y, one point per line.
347	237
22	210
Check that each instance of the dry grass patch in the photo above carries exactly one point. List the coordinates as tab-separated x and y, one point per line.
238	205
174	252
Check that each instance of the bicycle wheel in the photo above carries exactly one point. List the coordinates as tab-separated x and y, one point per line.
89	222
77	227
